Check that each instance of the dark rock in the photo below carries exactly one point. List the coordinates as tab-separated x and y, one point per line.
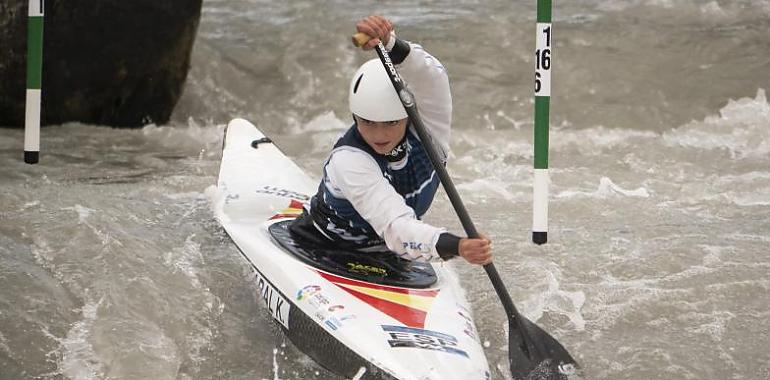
107	62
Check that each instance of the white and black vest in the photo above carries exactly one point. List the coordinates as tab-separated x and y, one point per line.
407	168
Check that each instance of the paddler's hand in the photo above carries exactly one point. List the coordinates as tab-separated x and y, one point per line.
476	251
377	27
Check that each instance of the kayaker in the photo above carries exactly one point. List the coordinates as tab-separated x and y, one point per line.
378	181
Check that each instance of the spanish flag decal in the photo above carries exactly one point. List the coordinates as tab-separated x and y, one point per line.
408	306
293	211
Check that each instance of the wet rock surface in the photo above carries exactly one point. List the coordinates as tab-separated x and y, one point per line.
109	62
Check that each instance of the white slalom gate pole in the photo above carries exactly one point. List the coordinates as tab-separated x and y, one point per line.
34	81
542	104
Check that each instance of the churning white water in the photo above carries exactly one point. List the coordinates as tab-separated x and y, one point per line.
113	267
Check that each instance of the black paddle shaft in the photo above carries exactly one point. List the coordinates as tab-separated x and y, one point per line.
533	354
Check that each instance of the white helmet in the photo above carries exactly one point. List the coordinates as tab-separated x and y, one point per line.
372	95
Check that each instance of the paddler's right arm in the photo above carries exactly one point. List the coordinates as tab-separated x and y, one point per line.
357	176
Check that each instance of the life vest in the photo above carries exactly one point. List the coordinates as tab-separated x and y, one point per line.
407	168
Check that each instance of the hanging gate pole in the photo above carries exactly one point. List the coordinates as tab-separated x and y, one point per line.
34	81
542	105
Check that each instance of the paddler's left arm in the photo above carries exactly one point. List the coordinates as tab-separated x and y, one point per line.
428	81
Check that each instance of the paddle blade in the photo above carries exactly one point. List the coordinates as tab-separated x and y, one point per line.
535	355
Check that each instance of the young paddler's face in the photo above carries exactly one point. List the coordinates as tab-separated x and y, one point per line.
382	136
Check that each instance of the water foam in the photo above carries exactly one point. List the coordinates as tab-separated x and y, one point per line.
4	344
276	370
187	196
606	189
30	204
491	188
207	139
83	212
599	138
742	128
79	359
324	122
325	129
359	374
556	300
185	260
711	324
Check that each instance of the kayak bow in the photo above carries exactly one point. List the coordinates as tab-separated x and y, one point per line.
350	312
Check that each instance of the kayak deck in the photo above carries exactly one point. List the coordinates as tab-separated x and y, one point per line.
383	268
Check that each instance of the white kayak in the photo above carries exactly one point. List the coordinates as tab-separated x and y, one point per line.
363	316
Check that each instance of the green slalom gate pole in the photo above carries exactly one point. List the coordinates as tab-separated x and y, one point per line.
542	104
34	81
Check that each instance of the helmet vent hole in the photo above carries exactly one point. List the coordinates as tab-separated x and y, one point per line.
358	81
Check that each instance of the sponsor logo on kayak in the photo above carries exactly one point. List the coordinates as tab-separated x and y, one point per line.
307	291
469	329
318	300
366	269
270	190
330	318
327	314
277	305
333	323
408	337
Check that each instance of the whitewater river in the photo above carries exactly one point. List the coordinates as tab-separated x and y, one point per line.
112	265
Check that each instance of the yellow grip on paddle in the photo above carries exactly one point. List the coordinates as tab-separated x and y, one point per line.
360	39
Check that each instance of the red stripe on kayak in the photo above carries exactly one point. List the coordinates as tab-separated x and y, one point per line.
279	216
404	314
343	280
409	316
293	211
